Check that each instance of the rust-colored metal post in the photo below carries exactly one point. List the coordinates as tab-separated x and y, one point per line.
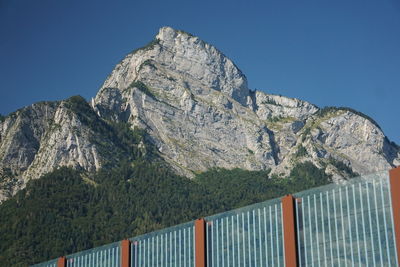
289	231
125	253
62	262
200	243
394	175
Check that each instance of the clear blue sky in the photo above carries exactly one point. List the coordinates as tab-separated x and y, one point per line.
330	53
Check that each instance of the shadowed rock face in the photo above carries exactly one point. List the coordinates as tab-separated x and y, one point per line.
199	112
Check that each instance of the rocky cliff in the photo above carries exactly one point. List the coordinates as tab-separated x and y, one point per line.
39	138
196	107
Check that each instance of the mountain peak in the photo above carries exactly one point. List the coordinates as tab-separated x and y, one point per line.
168	33
168	36
187	58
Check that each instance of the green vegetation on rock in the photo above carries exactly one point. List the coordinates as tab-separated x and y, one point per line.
142	87
116	140
147	47
236	188
342	167
301	152
147	62
322	112
78	105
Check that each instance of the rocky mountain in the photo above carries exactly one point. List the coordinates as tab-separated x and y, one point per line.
44	136
196	108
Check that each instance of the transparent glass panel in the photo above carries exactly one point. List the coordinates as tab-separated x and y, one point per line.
51	263
249	236
172	246
347	224
107	255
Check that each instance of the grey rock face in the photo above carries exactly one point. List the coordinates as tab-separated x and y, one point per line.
343	136
39	138
20	135
196	105
199	112
192	57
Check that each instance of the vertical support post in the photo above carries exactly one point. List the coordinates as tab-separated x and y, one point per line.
394	176
289	231
200	242
125	253
62	262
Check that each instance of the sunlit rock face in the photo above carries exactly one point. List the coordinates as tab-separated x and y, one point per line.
199	111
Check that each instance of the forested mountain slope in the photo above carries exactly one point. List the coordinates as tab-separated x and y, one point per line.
66	211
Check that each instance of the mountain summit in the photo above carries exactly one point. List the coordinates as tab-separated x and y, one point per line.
197	110
182	54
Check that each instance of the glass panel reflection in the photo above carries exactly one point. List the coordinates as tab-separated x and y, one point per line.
347	224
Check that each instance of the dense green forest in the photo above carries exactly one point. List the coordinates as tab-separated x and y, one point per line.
67	210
